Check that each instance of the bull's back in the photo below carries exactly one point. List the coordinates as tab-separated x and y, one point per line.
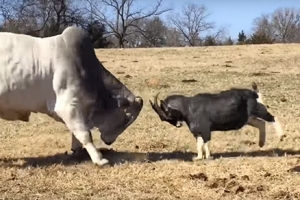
25	72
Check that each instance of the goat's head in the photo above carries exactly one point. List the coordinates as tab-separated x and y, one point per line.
170	109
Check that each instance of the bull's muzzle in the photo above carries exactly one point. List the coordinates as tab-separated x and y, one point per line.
138	100
137	103
108	143
178	124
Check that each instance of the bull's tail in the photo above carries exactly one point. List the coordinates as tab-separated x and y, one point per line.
275	123
255	89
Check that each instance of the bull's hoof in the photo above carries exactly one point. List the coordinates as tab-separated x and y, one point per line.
103	163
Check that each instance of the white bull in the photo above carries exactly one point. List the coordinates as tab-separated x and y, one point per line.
61	76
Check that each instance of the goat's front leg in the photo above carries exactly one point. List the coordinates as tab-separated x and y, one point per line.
261	126
206	135
200	145
278	128
202	149
203	136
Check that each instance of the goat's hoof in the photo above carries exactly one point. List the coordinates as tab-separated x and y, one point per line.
261	144
197	158
209	158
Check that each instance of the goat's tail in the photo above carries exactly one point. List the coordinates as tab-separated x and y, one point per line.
255	89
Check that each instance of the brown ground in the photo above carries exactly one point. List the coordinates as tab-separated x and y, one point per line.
152	160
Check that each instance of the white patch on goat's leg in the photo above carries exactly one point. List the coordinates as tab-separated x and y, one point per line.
206	150
200	144
261	126
278	128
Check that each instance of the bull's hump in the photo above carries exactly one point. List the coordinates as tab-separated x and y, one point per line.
76	38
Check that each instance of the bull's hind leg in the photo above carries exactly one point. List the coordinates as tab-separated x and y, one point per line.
261	126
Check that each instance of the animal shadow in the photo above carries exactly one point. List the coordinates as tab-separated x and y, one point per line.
114	157
121	157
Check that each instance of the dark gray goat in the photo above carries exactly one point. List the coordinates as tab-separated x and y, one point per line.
224	111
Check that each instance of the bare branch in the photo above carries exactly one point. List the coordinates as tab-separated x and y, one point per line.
192	22
125	16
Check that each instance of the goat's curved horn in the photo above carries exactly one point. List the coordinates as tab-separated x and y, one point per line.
157	108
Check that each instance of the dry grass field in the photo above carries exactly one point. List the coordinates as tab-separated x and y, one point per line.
153	160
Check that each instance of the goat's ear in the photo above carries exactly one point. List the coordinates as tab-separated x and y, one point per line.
164	106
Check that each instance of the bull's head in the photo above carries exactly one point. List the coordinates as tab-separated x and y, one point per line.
169	110
111	123
117	108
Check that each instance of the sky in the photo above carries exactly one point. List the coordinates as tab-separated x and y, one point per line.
234	14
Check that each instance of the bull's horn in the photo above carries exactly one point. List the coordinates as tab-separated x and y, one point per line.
138	99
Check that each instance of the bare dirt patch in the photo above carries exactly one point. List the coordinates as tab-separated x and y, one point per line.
151	159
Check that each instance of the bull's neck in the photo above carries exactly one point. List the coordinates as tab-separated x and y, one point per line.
115	86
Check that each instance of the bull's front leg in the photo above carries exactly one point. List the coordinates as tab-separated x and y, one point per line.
74	120
76	146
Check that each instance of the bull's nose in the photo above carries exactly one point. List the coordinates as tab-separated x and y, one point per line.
138	99
108	143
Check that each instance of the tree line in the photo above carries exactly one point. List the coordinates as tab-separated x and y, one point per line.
121	23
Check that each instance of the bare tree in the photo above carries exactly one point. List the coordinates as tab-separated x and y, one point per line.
154	32
192	22
283	25
39	17
121	17
174	38
286	23
263	25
